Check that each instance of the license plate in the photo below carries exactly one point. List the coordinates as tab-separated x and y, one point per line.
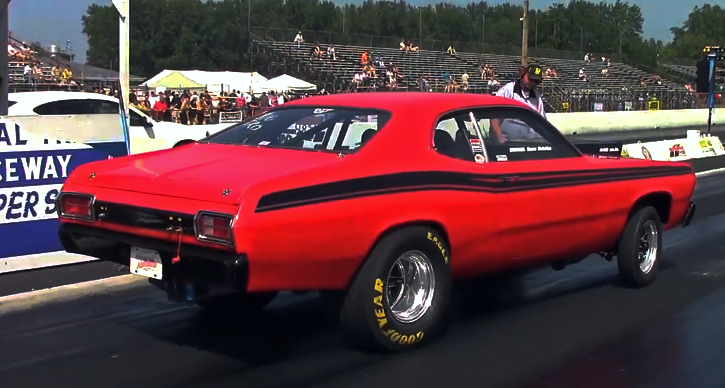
146	262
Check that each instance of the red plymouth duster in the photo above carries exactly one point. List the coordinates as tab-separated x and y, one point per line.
387	197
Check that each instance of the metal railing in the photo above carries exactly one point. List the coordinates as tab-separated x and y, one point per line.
633	99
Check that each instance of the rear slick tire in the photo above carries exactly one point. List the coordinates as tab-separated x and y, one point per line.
640	248
380	312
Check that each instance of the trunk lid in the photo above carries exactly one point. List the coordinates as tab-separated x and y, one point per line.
207	172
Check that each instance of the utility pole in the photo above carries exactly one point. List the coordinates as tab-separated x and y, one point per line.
483	30
525	36
620	44
420	25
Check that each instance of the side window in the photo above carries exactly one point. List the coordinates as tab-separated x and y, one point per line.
338	135
359	131
105	107
65	108
135	119
456	137
520	135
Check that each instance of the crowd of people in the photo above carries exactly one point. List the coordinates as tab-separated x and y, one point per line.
32	68
197	108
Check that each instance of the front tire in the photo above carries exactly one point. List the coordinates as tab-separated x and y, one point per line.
401	296
640	248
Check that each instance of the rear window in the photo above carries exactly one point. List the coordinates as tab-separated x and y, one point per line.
313	128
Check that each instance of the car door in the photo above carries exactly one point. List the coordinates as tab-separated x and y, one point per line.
544	187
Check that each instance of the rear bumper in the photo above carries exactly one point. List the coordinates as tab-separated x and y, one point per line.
197	265
689	214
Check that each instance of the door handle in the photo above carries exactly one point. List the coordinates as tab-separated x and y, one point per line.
512	178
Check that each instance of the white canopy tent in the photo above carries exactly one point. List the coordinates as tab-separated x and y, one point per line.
284	83
213	80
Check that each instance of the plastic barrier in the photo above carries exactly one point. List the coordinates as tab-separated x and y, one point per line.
33	167
692	147
598	122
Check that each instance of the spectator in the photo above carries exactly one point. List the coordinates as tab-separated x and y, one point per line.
299	39
28	73
66	75
38	73
365	58
160	108
133	101
264	100
331	53
464	81
423	84
55	71
451	50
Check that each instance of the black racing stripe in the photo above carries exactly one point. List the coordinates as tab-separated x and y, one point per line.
453	181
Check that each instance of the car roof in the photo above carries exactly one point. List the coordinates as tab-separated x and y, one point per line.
37	98
404	101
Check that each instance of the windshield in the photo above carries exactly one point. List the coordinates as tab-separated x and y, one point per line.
315	128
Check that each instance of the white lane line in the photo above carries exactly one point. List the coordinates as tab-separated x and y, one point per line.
710	172
69	292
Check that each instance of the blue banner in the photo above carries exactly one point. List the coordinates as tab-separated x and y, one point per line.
32	173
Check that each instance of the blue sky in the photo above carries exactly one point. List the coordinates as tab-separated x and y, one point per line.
56	21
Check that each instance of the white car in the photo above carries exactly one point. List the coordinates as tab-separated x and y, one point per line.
146	133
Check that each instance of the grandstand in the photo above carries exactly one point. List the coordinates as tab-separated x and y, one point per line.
564	92
78	75
688	72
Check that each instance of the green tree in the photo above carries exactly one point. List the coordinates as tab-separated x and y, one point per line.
212	35
705	26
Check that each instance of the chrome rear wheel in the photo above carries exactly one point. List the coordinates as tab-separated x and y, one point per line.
648	246
410	286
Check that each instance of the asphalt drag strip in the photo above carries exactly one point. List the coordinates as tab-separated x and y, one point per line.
573	326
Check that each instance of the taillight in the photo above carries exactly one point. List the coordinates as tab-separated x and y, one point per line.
214	227
76	206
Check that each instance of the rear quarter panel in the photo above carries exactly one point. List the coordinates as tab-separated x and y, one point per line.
321	246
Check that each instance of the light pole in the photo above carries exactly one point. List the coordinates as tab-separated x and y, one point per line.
483	30
620	44
420	25
525	36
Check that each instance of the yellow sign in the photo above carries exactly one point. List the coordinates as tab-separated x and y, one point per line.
653	105
537	70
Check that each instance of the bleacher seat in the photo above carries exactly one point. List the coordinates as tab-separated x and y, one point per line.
621	79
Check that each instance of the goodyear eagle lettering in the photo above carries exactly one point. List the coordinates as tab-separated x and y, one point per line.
382	319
